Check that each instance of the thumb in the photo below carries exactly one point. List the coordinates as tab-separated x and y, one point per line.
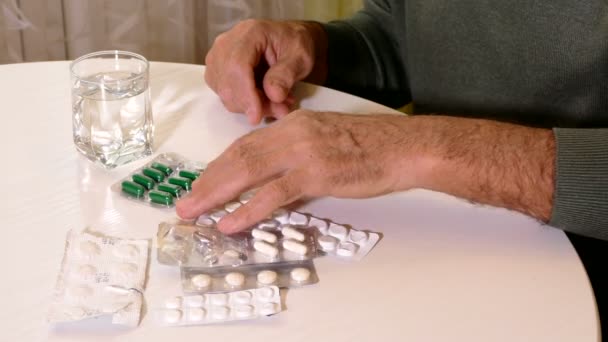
281	77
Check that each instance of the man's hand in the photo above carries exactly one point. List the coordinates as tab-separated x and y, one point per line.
254	66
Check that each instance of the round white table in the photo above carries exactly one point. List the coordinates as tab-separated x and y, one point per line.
445	270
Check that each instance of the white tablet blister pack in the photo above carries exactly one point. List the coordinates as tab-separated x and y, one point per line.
219	307
225	279
99	276
202	245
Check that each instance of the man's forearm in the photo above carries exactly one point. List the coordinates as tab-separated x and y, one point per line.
493	163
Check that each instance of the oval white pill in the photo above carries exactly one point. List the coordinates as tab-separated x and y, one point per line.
268	309
320	224
220	312
292	233
267	277
347	249
358	236
243	297
337	231
231	253
195	301
201	281
263	235
125	271
126	251
295	247
298	219
300	274
247	196
327	242
243	311
266	249
265	294
172	316
217	215
89	249
281	215
232	206
205	221
173	302
269	224
195	314
235	279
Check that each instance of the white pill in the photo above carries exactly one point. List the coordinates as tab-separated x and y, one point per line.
242	297
89	249
358	236
220	312
268	309
196	301
235	279
300	274
125	271
269	224
232	206
201	281
298	219
172	316
86	271
347	249
266	249
293	233
205	221
80	292
265	294
267	277
338	231
231	253
243	311
320	224
217	215
281	215
247	196
173	302
218	299
195	314
295	247
126	251
264	235
327	243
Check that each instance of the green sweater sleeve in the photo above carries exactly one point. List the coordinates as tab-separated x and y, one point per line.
364	56
581	182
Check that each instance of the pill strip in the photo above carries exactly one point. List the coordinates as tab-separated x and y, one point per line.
223	279
219	307
160	182
100	275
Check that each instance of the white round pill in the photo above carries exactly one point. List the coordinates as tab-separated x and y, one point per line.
126	251
195	314
267	277
220	312
347	249
235	279
320	224
358	236
298	219
243	311
265	294
300	274
172	316
295	247
242	297
89	249
268	309
327	242
218	299
86	271
232	206
173	302
195	301
266	249
293	233
201	281
281	215
337	231
80	292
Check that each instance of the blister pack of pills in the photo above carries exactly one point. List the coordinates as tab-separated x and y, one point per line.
202	245
219	307
99	276
225	279
160	182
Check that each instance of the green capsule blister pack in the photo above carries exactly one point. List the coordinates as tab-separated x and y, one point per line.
160	182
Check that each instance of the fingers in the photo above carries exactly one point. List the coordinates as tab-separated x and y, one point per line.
281	77
271	196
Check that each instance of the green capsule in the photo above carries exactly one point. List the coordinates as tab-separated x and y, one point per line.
185	183
133	189
189	174
170	188
162	168
160	197
154	174
144	181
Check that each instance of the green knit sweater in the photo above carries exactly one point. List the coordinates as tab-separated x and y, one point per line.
540	63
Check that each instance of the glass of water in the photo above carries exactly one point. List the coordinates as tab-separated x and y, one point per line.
111	112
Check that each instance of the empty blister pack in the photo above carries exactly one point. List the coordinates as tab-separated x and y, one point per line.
225	279
160	182
219	307
100	275
192	245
